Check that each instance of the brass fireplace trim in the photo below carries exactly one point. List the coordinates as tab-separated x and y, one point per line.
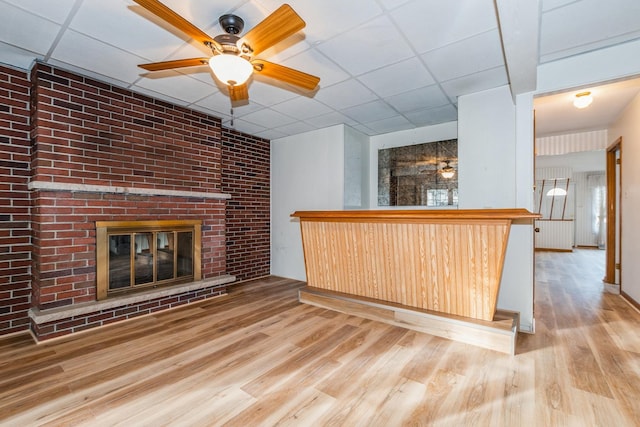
106	228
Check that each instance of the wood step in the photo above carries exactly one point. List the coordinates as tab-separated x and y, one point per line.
499	334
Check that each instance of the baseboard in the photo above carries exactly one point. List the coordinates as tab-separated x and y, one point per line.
630	300
499	335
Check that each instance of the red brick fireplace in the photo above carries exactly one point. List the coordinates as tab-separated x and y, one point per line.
102	153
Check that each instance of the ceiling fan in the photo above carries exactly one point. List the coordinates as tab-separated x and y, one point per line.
233	58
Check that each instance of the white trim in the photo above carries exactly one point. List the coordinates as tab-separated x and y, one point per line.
63	186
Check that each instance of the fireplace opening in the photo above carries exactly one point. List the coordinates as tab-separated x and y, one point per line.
137	255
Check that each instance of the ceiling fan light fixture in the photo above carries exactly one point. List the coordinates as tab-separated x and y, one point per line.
448	171
230	68
582	100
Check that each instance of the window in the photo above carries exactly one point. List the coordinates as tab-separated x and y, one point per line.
555	199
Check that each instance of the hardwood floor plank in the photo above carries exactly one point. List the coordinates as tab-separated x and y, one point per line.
258	357
321	345
351	372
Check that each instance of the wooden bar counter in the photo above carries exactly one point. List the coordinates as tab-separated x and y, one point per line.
444	261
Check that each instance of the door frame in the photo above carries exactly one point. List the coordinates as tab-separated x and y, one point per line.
613	239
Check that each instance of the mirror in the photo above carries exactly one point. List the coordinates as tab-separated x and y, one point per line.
419	175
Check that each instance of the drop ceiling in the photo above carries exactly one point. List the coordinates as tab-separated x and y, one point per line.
384	65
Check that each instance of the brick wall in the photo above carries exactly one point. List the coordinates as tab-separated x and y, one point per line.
64	237
15	246
88	132
92	133
63	128
246	176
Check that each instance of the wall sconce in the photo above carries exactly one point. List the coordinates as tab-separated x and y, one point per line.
582	100
448	171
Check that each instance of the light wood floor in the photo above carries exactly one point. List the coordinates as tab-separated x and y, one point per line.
258	357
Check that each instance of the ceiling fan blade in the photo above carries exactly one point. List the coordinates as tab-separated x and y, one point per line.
178	63
238	92
171	17
285	74
281	24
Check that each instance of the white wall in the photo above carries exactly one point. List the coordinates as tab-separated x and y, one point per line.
495	154
399	139
307	173
356	169
487	150
594	67
628	126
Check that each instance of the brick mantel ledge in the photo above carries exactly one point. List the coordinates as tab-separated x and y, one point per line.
64	186
58	313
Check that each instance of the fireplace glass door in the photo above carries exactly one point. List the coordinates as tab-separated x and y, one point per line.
141	257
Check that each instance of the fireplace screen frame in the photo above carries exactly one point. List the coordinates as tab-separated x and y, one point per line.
106	229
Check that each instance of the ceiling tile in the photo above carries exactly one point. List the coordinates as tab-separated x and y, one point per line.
268	92
553	4
271	134
419	99
30	32
16	57
217	101
446	21
364	129
397	78
330	119
371	111
328	18
468	56
397	48
111	23
295	128
93	55
268	118
432	116
302	108
575	28
56	11
392	4
204	14
285	49
391	124
476	82
244	126
372	45
345	94
314	62
189	90
240	110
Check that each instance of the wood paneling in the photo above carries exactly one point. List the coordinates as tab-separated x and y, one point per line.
446	261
